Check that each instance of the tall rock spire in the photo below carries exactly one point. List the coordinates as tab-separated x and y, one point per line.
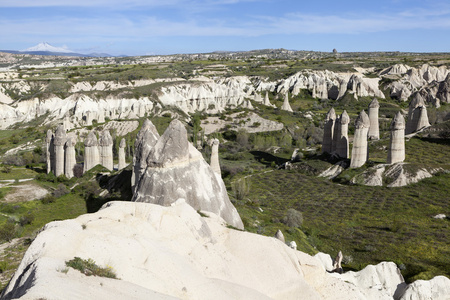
342	149
59	141
374	131
286	106
69	154
122	163
91	154
396	151
328	131
215	165
105	144
359	150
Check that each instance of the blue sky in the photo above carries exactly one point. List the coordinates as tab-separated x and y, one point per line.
140	27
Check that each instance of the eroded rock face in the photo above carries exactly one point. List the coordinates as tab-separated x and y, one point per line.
175	169
145	141
122	163
105	144
374	130
91	153
396	152
328	130
58	142
70	160
360	147
342	148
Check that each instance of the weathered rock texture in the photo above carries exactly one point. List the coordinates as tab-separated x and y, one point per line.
145	141
105	143
360	147
374	130
174	253
328	131
286	106
342	149
175	169
396	151
70	160
267	101
279	235
58	142
417	115
215	164
91	154
336	134
122	163
50	154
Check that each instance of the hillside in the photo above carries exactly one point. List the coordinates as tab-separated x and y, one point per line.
238	97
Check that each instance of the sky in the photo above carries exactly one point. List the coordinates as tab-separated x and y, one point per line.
151	27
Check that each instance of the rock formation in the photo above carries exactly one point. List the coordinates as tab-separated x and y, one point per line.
215	165
360	146
337	263
175	169
342	149
286	106
58	142
175	253
336	134
70	160
105	143
91	154
122	163
145	141
374	130
417	115
443	93
267	101
396	151
50	155
279	235
328	130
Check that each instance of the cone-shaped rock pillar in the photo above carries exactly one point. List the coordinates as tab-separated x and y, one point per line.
396	151
122	163
91	155
215	165
70	160
59	141
286	106
279	235
336	134
175	169
374	130
267	101
417	114
50	152
105	144
359	150
145	141
328	130
342	140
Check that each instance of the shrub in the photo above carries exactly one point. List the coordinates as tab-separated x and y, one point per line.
293	218
26	219
240	188
48	199
61	190
8	231
78	170
89	267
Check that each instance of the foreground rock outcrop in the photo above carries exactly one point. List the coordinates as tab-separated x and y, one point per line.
175	169
172	252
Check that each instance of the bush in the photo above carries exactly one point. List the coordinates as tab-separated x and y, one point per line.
8	231
78	170
293	218
48	199
26	219
61	190
240	188
88	267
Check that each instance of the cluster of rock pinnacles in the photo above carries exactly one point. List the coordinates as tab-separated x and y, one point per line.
61	158
335	136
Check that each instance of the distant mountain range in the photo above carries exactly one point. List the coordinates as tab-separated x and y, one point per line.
45	48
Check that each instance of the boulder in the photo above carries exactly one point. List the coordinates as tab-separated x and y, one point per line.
175	169
279	235
434	289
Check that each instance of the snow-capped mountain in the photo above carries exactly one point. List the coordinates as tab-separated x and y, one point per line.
47	48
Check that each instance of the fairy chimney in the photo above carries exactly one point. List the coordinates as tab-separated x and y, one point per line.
105	147
374	131
215	165
342	140
50	152
286	106
69	154
359	150
122	163
328	130
59	141
396	152
145	141
91	154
